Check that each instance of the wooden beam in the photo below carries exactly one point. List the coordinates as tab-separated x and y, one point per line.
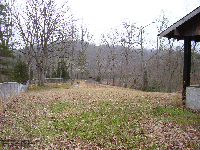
198	26
186	67
176	32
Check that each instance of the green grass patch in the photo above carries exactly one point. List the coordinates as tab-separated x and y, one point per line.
176	115
102	121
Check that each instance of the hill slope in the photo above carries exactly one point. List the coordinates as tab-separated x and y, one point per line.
104	117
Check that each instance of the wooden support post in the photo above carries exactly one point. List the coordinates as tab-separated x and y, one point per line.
186	67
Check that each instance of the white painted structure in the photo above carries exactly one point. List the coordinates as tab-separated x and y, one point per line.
193	97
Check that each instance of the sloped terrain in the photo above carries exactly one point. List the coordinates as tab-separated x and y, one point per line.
103	117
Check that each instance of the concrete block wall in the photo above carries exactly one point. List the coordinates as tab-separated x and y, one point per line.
193	97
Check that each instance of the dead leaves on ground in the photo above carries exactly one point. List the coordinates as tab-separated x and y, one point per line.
37	111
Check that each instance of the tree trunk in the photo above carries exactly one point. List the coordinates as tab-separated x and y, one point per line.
42	77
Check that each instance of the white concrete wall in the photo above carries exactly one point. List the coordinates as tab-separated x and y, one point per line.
193	97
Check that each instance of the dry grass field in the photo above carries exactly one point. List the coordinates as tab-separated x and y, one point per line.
97	117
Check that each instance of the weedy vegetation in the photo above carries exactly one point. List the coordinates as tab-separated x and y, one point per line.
104	117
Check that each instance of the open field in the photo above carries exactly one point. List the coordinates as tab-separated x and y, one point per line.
104	117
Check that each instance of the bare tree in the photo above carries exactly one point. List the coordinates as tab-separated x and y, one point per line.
74	37
99	62
81	56
163	23
195	62
111	41
39	27
128	41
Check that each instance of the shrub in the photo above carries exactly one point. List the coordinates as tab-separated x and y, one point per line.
152	86
20	72
98	79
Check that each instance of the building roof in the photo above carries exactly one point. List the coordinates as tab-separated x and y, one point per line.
188	26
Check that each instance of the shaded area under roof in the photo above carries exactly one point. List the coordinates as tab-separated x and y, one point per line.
188	26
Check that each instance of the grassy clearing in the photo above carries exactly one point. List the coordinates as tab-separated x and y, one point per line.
99	118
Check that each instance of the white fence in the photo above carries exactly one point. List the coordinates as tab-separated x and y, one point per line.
9	89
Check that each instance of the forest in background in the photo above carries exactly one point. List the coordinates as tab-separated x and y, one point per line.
53	44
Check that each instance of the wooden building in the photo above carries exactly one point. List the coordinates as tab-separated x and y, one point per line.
187	29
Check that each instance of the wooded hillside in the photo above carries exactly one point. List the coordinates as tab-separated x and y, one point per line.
54	44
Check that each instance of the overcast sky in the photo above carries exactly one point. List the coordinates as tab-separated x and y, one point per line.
101	15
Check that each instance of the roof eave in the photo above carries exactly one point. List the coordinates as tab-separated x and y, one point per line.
179	23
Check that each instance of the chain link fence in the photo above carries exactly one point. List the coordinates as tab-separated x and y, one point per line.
9	89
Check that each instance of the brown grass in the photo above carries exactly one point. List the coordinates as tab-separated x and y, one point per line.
70	118
83	84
